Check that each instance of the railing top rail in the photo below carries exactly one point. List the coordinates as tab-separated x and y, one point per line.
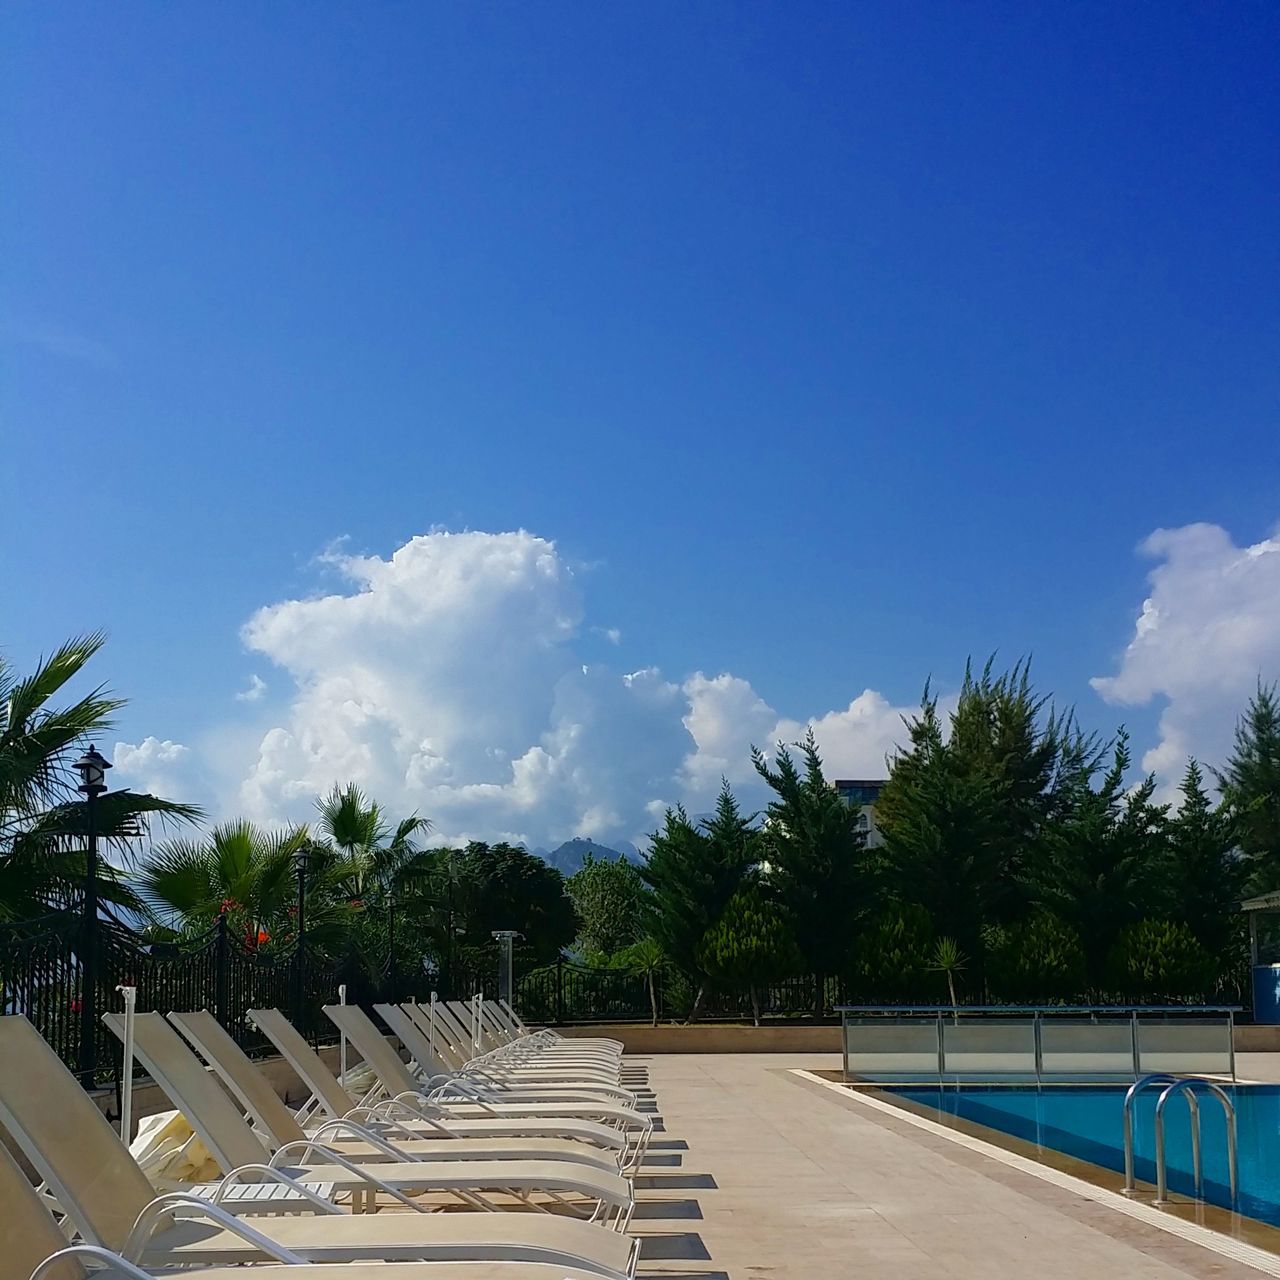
1038	1008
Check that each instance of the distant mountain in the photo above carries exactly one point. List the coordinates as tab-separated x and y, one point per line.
570	856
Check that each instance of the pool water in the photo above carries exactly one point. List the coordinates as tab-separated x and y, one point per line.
1086	1121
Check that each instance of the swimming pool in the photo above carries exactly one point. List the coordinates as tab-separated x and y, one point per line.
1085	1121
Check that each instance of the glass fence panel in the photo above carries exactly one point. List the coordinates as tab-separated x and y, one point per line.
1197	1045
992	1046
1086	1046
891	1047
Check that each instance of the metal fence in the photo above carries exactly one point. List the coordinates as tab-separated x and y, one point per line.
48	969
570	992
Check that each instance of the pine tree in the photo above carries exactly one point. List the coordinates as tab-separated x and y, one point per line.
1100	867
692	874
1251	787
1203	873
814	849
750	945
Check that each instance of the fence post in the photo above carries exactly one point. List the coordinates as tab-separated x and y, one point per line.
559	989
222	973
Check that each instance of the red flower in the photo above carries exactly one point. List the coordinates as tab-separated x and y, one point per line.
75	1004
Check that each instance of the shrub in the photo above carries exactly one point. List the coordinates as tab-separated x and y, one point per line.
1038	959
1160	959
892	959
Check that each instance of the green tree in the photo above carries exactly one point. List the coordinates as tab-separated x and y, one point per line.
1034	960
892	957
949	961
692	873
967	808
1159	960
1203	873
814	850
609	897
750	945
646	959
1100	866
458	897
359	846
43	821
1250	785
246	874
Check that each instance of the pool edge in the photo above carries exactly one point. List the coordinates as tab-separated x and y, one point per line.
1219	1242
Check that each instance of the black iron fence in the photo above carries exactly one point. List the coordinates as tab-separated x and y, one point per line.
570	992
48	970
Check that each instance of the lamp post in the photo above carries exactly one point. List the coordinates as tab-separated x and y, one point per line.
300	859
506	977
92	768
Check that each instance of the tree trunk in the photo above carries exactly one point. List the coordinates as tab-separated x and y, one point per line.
653	1001
955	1004
755	1004
697	1004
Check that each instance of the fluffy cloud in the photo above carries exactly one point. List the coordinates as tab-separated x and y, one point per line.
253	691
445	680
152	766
1208	630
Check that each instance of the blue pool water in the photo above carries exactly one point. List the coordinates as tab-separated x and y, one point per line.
1086	1122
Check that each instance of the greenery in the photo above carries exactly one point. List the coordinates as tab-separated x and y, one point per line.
43	822
1250	785
1159	960
608	895
1019	859
751	944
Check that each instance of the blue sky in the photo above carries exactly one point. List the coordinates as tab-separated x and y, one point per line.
827	343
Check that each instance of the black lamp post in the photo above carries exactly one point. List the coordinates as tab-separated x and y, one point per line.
300	859
92	768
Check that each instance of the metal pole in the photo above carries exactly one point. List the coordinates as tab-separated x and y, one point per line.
1133	1038
342	1037
300	954
126	1085
432	1018
393	995
89	961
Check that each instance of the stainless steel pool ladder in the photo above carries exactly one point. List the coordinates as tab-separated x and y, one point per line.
1174	1085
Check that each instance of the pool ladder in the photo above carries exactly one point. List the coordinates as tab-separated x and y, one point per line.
1174	1085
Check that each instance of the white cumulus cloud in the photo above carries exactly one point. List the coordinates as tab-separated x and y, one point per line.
152	766
1208	630
445	679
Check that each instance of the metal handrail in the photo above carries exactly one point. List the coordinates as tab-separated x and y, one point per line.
1188	1085
1159	1077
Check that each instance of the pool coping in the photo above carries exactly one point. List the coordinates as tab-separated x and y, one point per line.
1226	1246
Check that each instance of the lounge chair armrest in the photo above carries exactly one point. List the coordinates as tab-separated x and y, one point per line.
91	1252
162	1207
364	1133
357	1171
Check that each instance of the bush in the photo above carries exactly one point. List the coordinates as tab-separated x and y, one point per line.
1038	959
1161	960
892	959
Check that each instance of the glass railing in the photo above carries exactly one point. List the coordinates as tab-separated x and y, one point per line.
1064	1042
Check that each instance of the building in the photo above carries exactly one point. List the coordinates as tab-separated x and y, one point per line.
862	793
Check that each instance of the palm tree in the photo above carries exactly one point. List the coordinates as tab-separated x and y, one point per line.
375	858
949	959
43	821
238	871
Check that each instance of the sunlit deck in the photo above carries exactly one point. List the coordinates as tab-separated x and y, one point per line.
786	1178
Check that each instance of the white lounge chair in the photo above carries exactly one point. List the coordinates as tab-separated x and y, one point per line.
574	1187
107	1199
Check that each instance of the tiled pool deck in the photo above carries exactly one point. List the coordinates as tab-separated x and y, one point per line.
782	1177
